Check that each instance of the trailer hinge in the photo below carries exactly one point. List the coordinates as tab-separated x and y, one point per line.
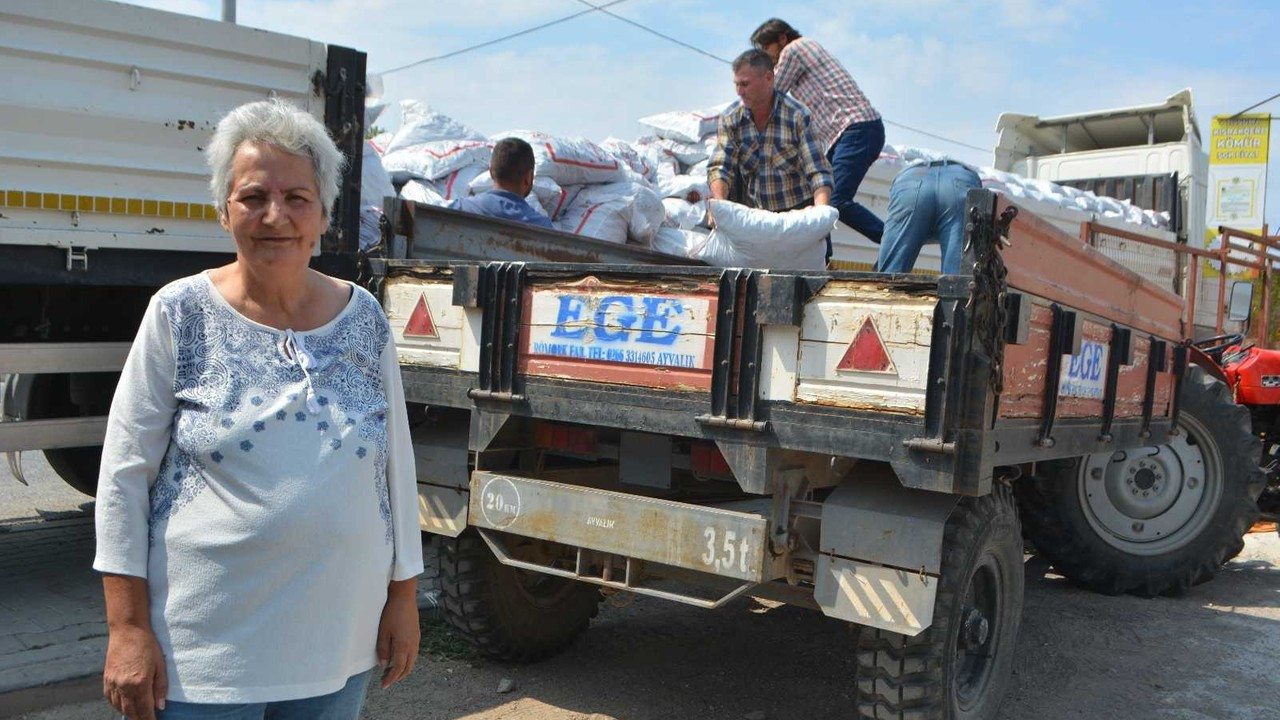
478	394
719	421
932	445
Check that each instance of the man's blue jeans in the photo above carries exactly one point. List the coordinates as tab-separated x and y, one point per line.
926	204
850	157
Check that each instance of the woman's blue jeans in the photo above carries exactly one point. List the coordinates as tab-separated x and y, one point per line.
344	704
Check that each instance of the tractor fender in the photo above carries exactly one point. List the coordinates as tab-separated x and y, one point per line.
1198	357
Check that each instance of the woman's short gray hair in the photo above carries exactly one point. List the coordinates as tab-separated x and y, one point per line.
282	125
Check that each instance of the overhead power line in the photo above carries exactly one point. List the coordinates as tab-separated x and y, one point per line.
713	56
504	38
1264	102
651	31
936	136
603	9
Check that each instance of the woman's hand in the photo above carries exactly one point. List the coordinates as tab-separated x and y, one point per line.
134	679
398	631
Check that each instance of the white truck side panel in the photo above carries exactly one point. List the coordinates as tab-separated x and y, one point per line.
107	109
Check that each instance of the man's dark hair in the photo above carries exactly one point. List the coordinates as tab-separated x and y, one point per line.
772	31
512	160
755	58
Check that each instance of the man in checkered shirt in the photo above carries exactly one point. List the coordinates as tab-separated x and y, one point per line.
849	130
766	155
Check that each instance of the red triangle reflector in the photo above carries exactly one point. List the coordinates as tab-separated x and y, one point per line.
867	352
421	324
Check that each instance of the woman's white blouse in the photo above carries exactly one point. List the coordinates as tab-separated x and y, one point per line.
262	482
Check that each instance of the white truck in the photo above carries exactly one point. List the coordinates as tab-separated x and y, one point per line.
104	190
1149	155
104	194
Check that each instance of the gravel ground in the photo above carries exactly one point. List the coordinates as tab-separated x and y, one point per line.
1211	654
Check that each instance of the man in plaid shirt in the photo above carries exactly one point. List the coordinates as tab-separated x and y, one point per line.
849	129
766	155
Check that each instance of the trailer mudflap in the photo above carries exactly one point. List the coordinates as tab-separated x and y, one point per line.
880	551
712	540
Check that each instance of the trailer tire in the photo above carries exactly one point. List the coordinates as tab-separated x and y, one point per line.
509	614
961	666
1153	524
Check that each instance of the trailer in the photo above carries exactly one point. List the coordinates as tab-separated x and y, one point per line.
863	444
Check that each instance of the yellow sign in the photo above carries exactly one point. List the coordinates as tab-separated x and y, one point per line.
1239	140
1238	148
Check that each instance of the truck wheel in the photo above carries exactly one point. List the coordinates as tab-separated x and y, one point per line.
78	467
961	666
510	614
1152	521
52	397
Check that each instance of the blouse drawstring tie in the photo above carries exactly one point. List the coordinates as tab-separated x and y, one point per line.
295	349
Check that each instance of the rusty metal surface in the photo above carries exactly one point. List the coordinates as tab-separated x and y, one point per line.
1047	262
436	233
713	540
1026	370
600	367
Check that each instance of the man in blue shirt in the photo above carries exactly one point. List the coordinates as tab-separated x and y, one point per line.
512	171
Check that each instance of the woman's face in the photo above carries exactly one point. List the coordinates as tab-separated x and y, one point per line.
274	210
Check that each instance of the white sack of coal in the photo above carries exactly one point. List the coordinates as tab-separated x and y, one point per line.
754	238
569	161
436	159
420	124
685	125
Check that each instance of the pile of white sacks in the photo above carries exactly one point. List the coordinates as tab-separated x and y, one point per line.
652	192
1017	186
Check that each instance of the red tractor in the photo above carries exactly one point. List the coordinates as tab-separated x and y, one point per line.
1253	374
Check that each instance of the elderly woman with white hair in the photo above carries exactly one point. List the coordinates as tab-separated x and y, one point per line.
257	522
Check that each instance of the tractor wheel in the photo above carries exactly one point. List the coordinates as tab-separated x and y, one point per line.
506	613
1152	521
960	668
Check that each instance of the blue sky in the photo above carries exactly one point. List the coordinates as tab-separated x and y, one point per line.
940	65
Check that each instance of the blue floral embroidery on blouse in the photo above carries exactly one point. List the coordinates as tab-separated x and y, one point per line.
221	362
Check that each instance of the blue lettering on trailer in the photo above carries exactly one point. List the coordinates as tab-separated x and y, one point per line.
619	328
